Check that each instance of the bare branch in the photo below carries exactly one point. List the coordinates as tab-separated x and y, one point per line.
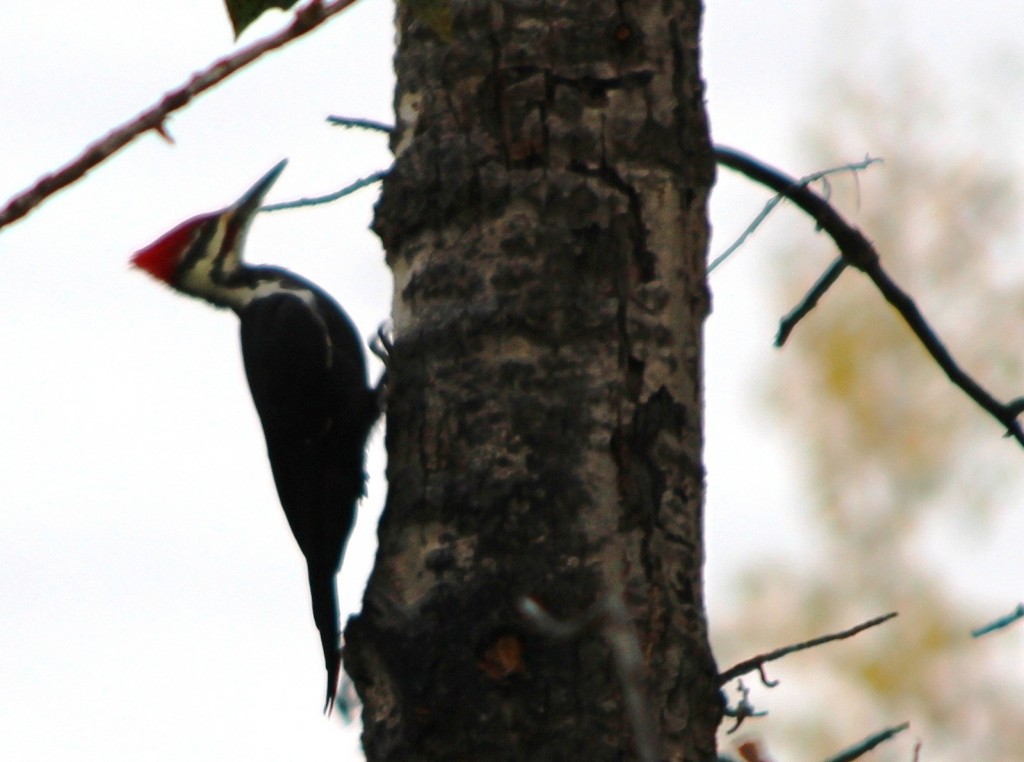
758	662
315	201
777	199
744	708
1003	621
153	118
611	615
858	252
862	748
854	246
810	300
764	678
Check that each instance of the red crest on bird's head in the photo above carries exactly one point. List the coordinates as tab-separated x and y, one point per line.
160	259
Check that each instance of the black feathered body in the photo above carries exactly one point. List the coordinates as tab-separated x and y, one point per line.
306	371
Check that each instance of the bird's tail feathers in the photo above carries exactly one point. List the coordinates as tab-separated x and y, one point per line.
323	591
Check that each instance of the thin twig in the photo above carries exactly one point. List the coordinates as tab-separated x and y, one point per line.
757	662
153	118
347	702
858	252
778	198
612	617
743	709
862	748
855	248
810	300
1001	622
350	122
346	191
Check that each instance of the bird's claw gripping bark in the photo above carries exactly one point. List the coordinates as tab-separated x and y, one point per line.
381	346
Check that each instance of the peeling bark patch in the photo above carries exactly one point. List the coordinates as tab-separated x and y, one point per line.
634	377
643	259
440	560
595	90
641	481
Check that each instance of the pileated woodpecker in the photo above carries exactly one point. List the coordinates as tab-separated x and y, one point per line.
306	371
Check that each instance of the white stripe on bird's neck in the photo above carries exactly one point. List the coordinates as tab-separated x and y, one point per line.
221	278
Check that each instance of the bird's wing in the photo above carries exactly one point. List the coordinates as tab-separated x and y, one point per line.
287	352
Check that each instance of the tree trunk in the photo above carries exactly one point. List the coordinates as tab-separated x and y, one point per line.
545	222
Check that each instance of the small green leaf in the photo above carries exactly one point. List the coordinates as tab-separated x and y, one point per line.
436	14
244	12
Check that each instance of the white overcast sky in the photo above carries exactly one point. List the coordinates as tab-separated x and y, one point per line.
152	602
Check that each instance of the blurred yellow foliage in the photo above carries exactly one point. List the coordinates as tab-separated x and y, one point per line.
889	446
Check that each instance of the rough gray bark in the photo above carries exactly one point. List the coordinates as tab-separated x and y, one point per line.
545	222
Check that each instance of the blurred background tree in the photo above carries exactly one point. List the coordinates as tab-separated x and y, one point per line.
903	474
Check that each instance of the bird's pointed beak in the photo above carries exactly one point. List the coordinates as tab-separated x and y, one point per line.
246	207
